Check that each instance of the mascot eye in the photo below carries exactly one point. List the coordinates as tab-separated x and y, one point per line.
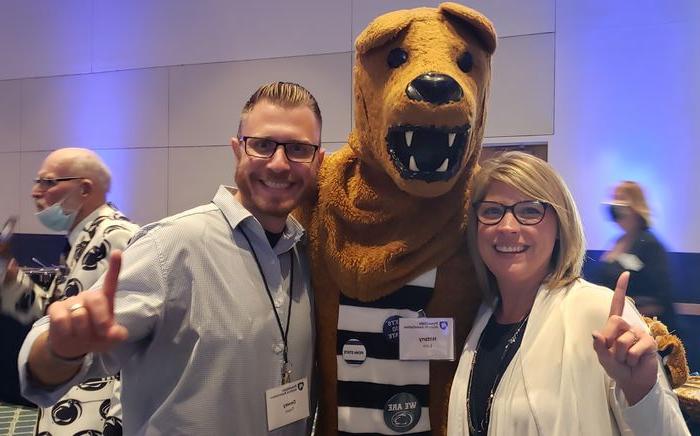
465	62
396	57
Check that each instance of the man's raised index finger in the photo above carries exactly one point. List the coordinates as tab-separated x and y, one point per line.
618	300
109	287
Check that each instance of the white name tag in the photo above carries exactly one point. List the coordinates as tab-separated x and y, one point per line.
287	404
426	339
630	262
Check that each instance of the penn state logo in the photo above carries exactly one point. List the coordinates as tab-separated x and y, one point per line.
66	412
79	249
25	302
402	412
92	229
443	325
93	385
95	255
118	216
112	427
104	408
300	386
73	288
113	228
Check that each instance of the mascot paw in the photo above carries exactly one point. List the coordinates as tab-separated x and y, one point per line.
671	350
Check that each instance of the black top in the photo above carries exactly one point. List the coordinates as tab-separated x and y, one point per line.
272	238
490	363
652	283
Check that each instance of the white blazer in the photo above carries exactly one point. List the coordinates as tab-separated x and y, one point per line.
555	385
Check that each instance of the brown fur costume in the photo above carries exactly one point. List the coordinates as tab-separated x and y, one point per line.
671	350
392	203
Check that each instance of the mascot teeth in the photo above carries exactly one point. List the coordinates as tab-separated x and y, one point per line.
427	153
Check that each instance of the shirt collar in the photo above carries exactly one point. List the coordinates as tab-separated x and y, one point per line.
82	225
237	215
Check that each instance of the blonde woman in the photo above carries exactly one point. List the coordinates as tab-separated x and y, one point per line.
549	353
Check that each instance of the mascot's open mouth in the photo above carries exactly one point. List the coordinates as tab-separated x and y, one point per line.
425	153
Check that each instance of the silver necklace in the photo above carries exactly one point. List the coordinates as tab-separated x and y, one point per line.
483	425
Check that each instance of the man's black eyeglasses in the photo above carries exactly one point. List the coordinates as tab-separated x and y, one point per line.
527	213
47	183
265	148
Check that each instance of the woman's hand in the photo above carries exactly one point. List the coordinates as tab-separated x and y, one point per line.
627	353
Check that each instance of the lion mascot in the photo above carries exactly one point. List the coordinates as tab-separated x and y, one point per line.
386	231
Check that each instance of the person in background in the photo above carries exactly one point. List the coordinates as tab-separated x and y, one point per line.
639	251
211	318
70	193
549	352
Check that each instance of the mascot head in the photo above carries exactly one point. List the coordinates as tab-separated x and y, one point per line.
421	83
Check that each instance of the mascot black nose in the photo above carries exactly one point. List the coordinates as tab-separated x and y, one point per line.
434	88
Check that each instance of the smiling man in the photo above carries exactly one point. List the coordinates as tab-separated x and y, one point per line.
211	318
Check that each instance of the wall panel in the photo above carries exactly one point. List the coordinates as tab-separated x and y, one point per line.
10	121
206	100
110	110
137	34
194	174
522	88
9	185
43	38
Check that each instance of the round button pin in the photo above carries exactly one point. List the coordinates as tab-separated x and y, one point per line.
354	352
402	412
391	328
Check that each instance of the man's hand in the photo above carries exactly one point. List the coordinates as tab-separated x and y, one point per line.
627	353
78	325
85	323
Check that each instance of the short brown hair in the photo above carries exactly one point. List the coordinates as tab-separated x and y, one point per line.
537	179
284	94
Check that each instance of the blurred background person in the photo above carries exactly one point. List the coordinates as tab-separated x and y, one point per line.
70	194
639	251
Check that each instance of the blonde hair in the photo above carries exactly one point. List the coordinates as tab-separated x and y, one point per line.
284	94
536	179
636	200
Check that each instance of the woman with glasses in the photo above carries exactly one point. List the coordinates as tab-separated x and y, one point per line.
549	353
639	251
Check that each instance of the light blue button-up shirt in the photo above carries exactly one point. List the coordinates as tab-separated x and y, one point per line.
204	344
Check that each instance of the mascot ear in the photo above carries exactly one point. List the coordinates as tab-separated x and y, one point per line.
474	20
382	30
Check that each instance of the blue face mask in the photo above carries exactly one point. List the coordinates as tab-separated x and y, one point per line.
55	218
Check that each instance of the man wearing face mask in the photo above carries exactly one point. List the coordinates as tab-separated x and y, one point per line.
70	193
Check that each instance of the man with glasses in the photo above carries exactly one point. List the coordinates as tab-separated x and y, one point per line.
210	319
70	194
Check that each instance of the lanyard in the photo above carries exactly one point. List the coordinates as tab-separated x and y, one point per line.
286	366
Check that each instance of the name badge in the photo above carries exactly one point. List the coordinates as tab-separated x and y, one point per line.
287	404
426	339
